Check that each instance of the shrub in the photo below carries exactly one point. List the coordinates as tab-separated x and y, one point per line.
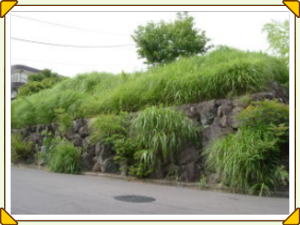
143	166
42	75
269	113
104	126
246	161
39	81
250	160
35	86
21	151
125	153
30	88
161	133
64	158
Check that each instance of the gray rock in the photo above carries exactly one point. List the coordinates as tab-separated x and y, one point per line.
190	172
213	132
88	157
77	124
189	154
109	166
83	131
77	140
207	111
104	159
35	138
98	148
40	128
96	167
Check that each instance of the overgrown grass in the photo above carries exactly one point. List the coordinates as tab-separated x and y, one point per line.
251	159
160	133
21	151
272	114
221	73
64	158
105	126
246	161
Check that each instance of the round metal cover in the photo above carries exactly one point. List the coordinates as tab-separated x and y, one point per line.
134	198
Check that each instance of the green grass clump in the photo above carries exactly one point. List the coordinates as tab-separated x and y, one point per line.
41	108
21	151
160	134
105	126
64	158
269	113
223	72
250	160
246	161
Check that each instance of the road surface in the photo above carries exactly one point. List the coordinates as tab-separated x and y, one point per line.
41	192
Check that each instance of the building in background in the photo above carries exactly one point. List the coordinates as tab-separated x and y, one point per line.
19	76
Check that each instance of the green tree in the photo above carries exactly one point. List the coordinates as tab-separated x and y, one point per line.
43	74
278	38
163	42
39	81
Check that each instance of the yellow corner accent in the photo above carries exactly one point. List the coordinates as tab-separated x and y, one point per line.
6	5
293	219
293	5
6	219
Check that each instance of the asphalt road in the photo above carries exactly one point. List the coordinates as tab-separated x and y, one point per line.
41	192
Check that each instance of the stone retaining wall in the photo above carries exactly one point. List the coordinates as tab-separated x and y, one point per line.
215	117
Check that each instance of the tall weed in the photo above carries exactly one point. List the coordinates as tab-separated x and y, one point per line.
65	158
250	160
21	151
161	133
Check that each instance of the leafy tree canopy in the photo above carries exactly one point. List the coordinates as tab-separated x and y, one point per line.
39	81
278	38
43	74
163	42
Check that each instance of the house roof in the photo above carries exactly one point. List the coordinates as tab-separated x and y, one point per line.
23	67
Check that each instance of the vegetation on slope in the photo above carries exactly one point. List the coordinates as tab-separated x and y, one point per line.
151	139
146	141
39	81
160	134
250	160
64	157
21	151
223	72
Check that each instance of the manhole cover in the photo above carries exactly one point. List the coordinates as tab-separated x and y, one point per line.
134	198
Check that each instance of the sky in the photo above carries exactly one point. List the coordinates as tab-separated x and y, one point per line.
104	42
